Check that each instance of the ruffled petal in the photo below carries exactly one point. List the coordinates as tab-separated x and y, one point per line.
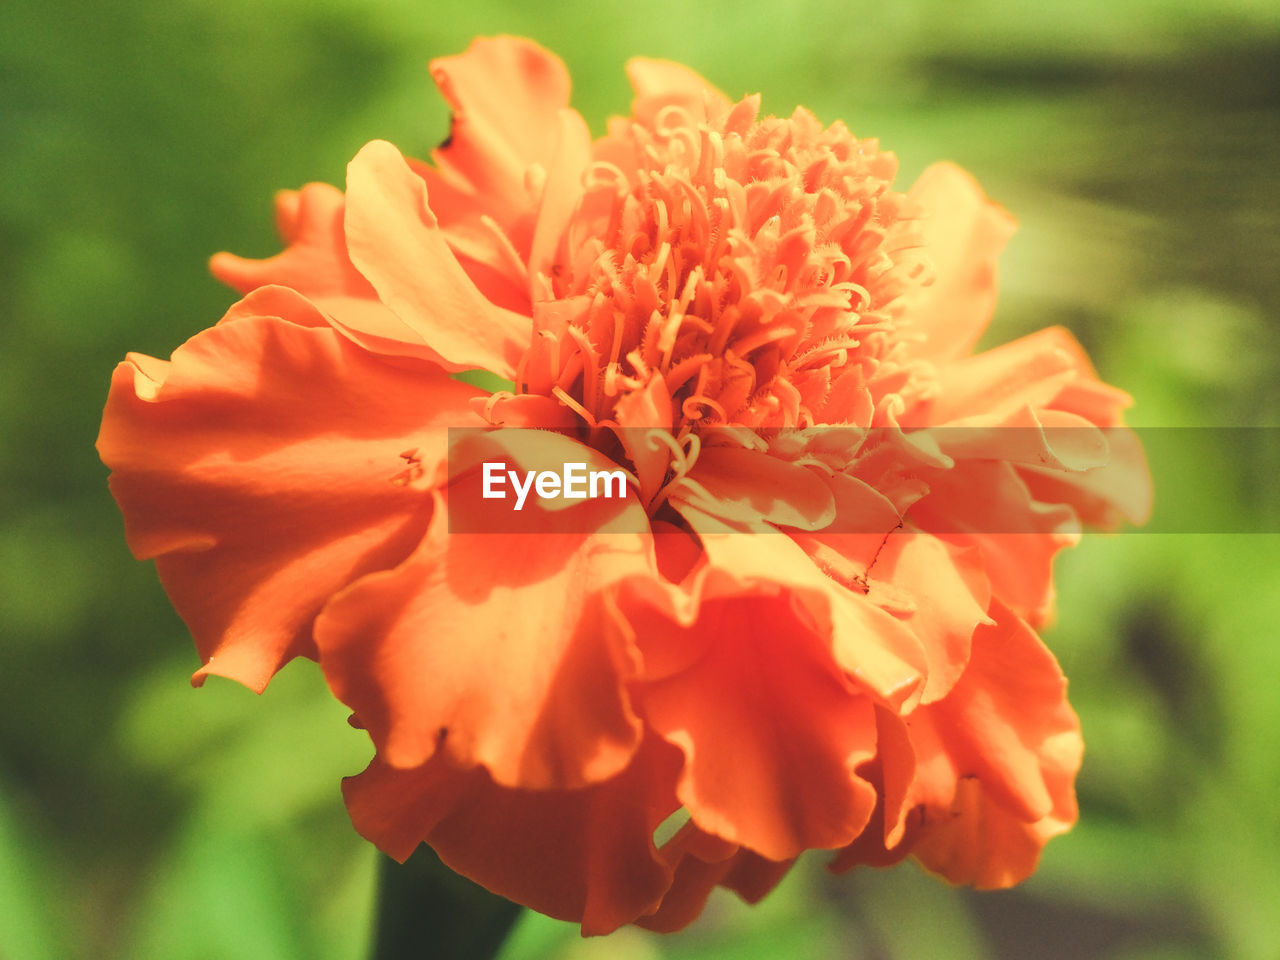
581	855
987	505
1104	496
661	83
640	413
314	262
997	760
871	646
1029	372
276	301
891	830
1086	395
374	327
981	844
495	663
1047	439
750	488
395	241
264	475
506	250
506	93
702	863
963	234
846	549
947	592
560	194
770	729
692	883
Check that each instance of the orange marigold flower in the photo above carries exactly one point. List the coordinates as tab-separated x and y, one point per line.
808	624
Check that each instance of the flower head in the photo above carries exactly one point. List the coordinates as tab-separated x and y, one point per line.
807	625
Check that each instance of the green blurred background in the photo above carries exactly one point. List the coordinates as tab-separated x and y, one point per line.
1135	141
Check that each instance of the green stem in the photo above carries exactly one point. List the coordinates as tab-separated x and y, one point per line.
425	910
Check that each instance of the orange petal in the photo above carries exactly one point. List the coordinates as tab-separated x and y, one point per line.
527	410
1044	438
770	730
1028	372
260	471
677	550
997	760
276	301
877	650
847	547
871	646
581	855
964	233
661	83
753	488
948	592
484	247
491	648
395	241
897	770
1102	496
397	809
1086	396
504	243
691	885
890	831
987	504
979	843
752	876
701	864
638	414
376	328
506	93
315	262
561	193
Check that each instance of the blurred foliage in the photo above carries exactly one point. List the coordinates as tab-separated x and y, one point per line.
1135	141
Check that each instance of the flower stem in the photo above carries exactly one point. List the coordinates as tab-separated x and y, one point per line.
425	910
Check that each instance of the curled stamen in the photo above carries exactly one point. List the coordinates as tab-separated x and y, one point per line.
684	456
690	408
495	399
815	462
675	483
824	353
574	405
694	448
662	438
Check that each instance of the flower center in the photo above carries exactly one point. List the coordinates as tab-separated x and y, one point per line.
747	264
